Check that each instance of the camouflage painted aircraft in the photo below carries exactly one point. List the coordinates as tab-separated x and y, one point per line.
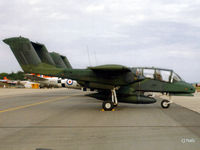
114	83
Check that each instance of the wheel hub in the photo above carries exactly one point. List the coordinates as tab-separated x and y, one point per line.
107	105
165	104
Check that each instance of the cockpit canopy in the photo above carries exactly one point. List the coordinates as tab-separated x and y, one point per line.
165	75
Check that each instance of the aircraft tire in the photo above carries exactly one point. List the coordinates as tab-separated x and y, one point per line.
165	104
107	105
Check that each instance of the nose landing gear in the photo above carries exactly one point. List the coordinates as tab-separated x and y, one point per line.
165	104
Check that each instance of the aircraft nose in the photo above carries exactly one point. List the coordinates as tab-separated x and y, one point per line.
191	88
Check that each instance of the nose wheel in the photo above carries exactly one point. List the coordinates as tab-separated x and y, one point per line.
165	104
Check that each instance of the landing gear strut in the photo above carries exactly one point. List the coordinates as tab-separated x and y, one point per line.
109	105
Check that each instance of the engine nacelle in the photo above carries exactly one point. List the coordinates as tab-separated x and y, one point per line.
135	99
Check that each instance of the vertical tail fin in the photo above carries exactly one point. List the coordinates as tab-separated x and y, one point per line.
23	51
66	61
43	53
34	57
58	60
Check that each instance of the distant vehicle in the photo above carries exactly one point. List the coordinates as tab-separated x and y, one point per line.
114	83
26	84
197	84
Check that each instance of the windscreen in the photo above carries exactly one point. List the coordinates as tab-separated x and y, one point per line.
176	77
158	74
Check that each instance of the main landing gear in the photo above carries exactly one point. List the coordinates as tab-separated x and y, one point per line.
109	105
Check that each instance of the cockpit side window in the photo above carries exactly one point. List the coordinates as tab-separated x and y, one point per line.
165	75
149	73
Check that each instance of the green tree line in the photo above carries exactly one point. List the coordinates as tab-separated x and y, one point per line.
13	76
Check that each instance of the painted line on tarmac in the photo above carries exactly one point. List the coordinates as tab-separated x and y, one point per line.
35	104
27	92
103	126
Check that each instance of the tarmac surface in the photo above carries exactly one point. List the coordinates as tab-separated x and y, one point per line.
65	119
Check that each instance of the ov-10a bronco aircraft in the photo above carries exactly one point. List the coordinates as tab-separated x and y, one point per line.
113	83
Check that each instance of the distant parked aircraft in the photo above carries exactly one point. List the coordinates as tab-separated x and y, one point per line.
49	82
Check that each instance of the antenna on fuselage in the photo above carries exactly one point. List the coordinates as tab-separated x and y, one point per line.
95	57
88	55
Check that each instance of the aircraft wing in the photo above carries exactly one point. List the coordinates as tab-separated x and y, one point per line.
118	72
34	78
110	69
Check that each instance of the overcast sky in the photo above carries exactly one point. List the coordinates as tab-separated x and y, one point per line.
159	33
